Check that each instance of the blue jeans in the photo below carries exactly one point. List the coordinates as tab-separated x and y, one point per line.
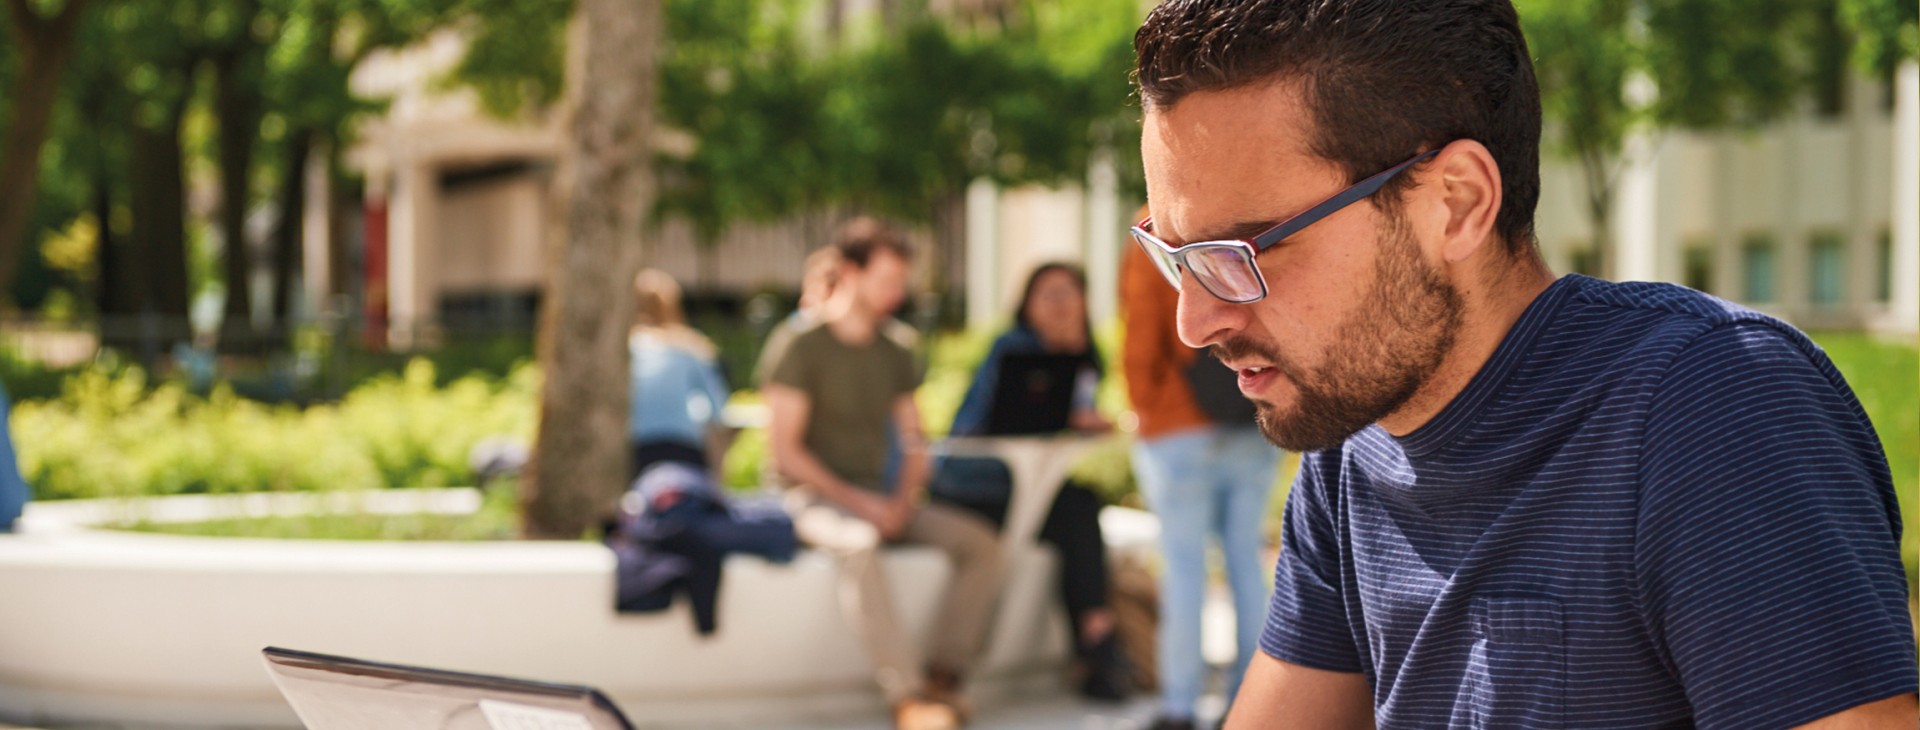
1210	481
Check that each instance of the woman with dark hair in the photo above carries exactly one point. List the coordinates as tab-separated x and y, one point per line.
1051	319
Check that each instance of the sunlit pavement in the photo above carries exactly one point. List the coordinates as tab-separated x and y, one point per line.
1071	713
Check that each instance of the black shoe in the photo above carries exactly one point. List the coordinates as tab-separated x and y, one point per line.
1171	723
1109	675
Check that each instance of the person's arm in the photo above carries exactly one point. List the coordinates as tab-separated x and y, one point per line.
719	434
971	419
787	411
1308	672
1304	696
914	464
1153	377
713	387
1086	416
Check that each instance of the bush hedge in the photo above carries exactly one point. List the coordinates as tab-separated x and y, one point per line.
112	433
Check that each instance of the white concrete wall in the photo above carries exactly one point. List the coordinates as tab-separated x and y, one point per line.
135	630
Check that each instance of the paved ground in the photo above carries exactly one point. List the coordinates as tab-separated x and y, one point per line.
1061	714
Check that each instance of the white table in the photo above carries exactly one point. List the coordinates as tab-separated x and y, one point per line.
1038	464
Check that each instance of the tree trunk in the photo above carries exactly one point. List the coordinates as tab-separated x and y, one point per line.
159	223
237	108
286	231
580	458
45	45
112	289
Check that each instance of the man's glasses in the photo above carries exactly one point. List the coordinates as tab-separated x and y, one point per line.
1226	268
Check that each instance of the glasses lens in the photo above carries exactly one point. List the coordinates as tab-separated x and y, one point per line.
1163	260
1227	271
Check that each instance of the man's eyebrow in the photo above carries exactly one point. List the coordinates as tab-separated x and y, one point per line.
1237	230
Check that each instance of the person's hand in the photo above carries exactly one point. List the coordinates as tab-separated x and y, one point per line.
883	512
877	510
899	513
1089	421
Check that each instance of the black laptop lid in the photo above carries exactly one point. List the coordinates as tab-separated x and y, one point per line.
1034	394
340	693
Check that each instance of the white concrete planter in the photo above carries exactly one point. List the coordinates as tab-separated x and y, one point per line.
141	630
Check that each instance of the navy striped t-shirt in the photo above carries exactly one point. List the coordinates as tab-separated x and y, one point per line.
1650	509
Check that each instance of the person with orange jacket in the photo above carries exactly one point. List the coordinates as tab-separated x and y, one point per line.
1206	472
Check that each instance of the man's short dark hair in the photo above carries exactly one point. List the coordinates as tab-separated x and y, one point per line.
860	237
1385	79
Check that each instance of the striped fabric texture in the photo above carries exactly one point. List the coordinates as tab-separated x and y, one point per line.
1650	509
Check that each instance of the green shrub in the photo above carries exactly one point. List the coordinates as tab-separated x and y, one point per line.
111	434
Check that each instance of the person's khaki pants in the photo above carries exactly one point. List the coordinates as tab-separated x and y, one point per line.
965	611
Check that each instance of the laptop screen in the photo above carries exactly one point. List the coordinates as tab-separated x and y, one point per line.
1033	394
340	693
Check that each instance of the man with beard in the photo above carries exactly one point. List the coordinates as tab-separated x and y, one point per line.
1529	502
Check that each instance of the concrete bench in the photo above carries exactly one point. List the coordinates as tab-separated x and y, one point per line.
144	630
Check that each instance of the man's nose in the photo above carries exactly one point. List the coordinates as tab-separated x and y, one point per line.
1203	318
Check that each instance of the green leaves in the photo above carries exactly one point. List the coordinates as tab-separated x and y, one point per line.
111	434
1715	63
1887	32
784	120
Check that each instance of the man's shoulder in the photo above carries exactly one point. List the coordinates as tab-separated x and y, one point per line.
790	342
1665	309
1637	326
807	335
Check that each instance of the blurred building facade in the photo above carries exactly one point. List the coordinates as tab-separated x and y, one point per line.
1812	219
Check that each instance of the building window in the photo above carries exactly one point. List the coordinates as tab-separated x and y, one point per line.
1829	270
1883	284
1699	266
1758	266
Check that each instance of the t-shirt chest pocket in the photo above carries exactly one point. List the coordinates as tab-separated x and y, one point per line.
1520	675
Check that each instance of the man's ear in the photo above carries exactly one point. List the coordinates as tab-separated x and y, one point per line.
1467	181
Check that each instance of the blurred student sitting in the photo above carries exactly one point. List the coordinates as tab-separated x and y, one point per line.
835	389
677	388
1051	320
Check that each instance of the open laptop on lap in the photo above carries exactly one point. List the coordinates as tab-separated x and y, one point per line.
340	693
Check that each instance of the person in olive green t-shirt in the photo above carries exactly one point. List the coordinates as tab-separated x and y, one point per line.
834	386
